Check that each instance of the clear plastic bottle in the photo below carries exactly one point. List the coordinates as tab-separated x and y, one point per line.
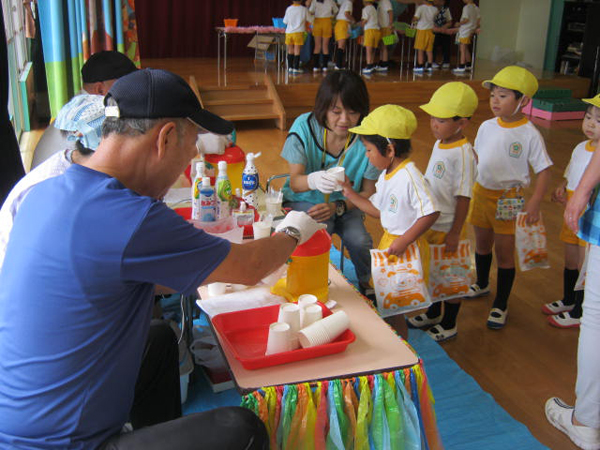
250	181
208	207
223	188
196	188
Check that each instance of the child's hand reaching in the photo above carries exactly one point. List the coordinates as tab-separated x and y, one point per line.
347	190
398	247
533	213
451	242
559	195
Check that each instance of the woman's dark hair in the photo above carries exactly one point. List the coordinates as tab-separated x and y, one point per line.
401	146
351	90
518	94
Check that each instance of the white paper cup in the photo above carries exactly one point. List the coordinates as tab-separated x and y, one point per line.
279	338
216	289
324	331
290	313
261	230
339	173
303	301
312	313
273	205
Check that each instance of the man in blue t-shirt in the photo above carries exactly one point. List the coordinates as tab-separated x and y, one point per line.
85	254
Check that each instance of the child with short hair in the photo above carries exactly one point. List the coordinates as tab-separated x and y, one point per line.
566	313
402	200
342	32
385	15
295	28
469	22
324	10
506	146
450	174
424	18
372	34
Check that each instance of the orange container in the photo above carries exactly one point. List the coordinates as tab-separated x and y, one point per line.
230	22
308	270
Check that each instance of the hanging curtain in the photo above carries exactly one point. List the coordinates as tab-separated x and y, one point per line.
11	165
72	30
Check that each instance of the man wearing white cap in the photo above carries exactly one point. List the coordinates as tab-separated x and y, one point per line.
98	240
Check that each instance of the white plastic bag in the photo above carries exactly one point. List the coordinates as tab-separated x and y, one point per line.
531	244
398	281
450	274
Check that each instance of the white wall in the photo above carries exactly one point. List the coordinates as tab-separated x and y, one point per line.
520	26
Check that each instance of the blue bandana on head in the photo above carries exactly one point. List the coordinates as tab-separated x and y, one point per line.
82	117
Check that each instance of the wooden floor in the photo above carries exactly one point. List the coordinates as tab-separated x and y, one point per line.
526	362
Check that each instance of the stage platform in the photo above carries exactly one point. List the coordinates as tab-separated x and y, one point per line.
297	92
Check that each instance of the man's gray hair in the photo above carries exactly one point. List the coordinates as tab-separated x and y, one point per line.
134	127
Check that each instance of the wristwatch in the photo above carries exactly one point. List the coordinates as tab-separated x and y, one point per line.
291	231
340	207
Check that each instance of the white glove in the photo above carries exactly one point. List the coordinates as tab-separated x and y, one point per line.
302	222
322	181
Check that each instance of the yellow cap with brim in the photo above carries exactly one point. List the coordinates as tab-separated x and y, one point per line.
595	101
452	99
515	78
389	121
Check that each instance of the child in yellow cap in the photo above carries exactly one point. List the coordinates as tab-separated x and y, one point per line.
450	174
566	313
402	200
295	27
506	146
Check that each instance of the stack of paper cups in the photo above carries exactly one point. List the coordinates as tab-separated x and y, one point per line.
303	301
312	313
261	230
290	313
325	330
279	338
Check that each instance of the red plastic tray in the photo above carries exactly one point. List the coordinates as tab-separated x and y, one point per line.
246	332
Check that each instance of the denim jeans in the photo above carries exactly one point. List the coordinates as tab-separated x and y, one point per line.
587	389
350	227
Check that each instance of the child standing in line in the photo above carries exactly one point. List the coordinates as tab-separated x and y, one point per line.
424	17
506	146
295	26
443	40
402	200
342	25
469	22
324	10
385	14
566	313
372	34
451	172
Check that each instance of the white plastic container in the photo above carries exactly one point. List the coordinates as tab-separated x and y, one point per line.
223	192
250	181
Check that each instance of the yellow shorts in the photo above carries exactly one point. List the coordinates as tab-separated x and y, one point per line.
424	40
322	28
341	30
465	40
294	38
372	38
482	212
566	235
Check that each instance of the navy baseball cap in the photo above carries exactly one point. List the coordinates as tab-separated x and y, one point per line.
157	94
106	65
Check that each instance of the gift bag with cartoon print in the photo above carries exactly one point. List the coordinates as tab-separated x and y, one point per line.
530	241
398	282
450	274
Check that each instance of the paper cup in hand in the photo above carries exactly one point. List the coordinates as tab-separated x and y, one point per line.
324	331
290	313
339	174
312	313
261	230
279	338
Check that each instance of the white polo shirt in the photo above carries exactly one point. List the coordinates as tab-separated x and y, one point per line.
383	9
426	15
402	197
451	172
346	6
295	19
323	10
369	13
580	158
470	12
505	151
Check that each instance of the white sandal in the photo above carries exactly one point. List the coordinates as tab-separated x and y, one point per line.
497	319
440	334
422	321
